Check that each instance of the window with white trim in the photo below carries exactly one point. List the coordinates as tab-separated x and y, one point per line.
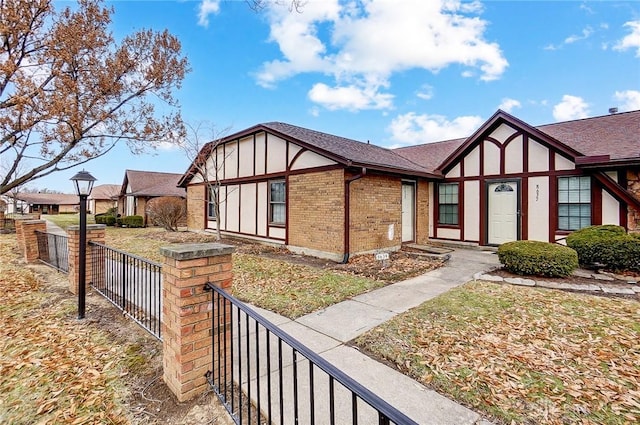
277	205
574	202
448	204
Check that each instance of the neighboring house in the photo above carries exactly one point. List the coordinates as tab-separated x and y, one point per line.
103	198
332	197
316	193
48	203
139	187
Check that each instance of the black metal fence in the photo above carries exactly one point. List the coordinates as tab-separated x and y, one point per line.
133	284
263	375
53	249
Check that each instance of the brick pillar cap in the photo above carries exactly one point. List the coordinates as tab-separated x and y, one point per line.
76	228
32	221
190	251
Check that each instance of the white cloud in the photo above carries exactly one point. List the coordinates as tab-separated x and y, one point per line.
206	8
350	97
630	100
509	105
413	129
586	33
571	108
371	40
426	92
630	41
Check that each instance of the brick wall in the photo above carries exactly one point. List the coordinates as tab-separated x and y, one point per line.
633	185
187	324
27	233
422	212
316	211
96	233
195	207
376	202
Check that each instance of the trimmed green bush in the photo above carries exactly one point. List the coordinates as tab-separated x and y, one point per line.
110	220
609	246
133	221
538	258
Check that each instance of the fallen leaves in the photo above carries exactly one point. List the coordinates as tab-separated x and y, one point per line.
54	369
522	354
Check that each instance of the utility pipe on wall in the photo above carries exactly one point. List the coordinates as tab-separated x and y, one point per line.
347	211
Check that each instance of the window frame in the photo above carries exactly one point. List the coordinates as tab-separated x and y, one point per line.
455	210
273	203
568	204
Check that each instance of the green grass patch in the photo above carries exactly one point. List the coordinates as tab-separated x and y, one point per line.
520	354
66	220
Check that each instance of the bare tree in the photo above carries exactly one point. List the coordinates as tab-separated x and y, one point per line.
69	93
207	163
167	211
296	5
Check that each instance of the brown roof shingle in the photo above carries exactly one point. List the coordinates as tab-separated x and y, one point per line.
152	183
347	150
105	191
49	198
615	135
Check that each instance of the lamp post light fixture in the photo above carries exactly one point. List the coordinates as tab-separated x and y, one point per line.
83	182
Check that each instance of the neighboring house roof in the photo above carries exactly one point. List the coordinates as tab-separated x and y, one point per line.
48	198
105	191
604	140
151	183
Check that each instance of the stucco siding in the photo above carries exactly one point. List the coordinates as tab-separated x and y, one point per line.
472	207
537	214
538	156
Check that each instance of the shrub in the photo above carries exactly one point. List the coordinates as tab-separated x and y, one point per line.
100	218
608	246
167	211
132	221
538	258
110	220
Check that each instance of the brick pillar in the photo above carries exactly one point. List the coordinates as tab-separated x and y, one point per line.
187	320
27	239
95	233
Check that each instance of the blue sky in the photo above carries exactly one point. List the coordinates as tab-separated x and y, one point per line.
394	72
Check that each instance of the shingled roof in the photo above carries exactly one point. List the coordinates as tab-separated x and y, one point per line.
347	151
49	198
152	183
615	135
602	140
105	191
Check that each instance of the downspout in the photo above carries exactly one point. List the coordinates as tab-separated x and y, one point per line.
347	214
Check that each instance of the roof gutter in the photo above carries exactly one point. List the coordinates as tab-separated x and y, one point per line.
347	211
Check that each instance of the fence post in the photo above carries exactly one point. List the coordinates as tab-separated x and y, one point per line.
187	312
95	233
27	239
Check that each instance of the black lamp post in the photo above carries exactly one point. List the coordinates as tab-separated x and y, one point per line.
83	182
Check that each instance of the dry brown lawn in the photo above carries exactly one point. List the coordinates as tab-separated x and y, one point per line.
522	355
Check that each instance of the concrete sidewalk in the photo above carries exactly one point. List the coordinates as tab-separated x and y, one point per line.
327	331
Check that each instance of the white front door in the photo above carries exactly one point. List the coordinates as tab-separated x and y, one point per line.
408	211
503	212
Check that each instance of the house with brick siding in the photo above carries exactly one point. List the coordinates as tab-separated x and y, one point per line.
314	192
332	197
139	187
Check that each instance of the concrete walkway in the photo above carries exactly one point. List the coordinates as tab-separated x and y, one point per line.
327	331
52	227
